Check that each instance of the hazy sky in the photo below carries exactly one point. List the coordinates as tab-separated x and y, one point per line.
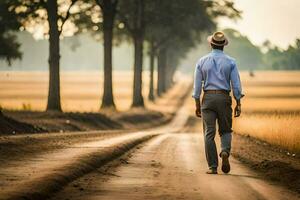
275	20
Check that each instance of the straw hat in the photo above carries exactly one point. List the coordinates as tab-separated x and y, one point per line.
218	39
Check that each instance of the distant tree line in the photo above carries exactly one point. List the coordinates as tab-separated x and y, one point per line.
267	56
247	55
166	29
278	59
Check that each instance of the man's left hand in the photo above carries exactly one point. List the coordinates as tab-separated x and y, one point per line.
198	112
198	108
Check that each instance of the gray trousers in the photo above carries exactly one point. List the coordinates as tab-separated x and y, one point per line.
216	108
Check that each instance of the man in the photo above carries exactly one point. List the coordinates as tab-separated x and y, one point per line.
219	74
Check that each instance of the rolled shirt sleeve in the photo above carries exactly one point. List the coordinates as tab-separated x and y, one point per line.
197	82
236	82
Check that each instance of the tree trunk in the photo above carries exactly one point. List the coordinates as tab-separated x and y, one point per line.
138	100
108	21
138	37
54	57
161	79
168	77
170	71
151	84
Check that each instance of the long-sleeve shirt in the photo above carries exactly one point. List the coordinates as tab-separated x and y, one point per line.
217	71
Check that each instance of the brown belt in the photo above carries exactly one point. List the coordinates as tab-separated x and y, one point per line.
216	92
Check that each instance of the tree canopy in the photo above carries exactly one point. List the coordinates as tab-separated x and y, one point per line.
8	25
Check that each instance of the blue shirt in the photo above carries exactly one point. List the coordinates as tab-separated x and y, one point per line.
217	71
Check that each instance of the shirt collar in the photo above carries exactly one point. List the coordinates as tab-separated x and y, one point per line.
217	51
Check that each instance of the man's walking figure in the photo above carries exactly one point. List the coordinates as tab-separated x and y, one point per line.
217	73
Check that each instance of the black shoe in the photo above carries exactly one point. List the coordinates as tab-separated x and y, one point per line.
225	162
212	171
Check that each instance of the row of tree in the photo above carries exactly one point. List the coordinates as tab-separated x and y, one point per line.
167	28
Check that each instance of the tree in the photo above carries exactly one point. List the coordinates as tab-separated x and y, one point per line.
9	46
177	50
98	17
108	8
161	71
151	96
173	22
53	15
189	21
8	42
132	14
161	23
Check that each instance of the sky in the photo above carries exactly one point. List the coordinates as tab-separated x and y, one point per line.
274	20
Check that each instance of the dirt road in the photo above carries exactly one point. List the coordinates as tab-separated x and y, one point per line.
169	164
39	174
172	166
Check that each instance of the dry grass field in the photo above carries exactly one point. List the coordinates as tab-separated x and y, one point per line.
271	107
80	91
